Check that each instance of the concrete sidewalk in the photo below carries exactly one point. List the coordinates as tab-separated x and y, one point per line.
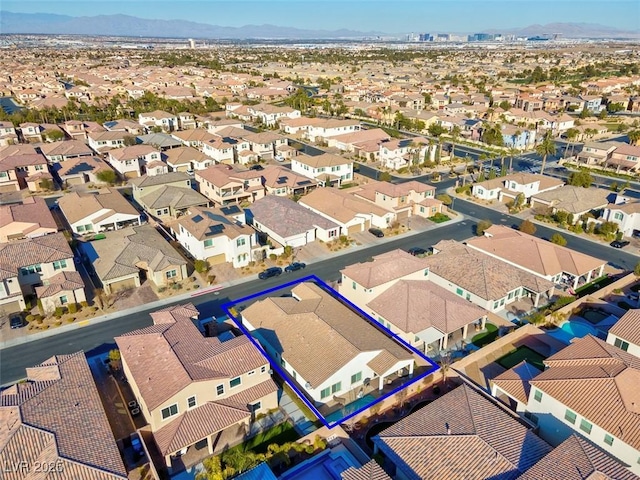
188	296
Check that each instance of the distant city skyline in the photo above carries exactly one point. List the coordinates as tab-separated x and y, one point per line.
365	15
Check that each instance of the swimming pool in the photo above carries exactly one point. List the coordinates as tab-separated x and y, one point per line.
350	408
572	329
328	465
594	316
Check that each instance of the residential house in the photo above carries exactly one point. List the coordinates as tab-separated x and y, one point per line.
269	115
327	169
102	141
624	211
595	153
354	142
574	200
37	132
625	157
62	151
81	170
90	213
482	279
165	121
351	213
330	127
288	223
294	331
265	144
8	135
28	170
63	289
225	185
208	388
182	159
588	389
32	262
160	141
281	181
186	120
405	199
520	138
293	126
128	256
29	219
220	150
77	435
216	235
625	334
77	130
555	263
131	162
195	138
124	125
166	196
510	186
399	153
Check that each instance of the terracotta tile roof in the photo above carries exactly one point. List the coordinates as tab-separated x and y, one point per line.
76	206
166	357
286	217
212	220
262	138
532	253
31	251
131	152
303	328
33	210
57	416
20	149
461	435
481	274
416	305
628	327
177	198
384	268
65	148
340	205
162	179
578	459
324	160
574	199
515	381
395	190
591	365
63	281
77	166
369	471
13	161
223	175
279	177
183	155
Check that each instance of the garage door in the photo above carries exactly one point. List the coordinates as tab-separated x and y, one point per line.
217	259
8	188
354	229
131	174
75	181
403	215
122	284
11	307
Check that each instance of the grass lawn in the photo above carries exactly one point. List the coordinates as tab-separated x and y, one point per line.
281	433
518	355
484	338
439	218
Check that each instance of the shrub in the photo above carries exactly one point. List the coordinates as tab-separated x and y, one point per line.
211	279
558	239
439	218
527	226
29	318
201	266
482	226
344	239
73	307
84	304
273	257
561	302
444	198
59	312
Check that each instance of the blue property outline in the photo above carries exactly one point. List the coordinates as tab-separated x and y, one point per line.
285	376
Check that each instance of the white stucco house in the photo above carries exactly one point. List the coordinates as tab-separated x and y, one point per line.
327	169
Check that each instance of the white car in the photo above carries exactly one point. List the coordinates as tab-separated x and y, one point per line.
279	158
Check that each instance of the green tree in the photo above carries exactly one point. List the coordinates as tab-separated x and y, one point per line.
107	176
482	226
581	178
201	266
53	135
636	270
492	135
527	226
558	239
455	134
545	148
444	198
634	137
436	130
129	140
384	177
505	105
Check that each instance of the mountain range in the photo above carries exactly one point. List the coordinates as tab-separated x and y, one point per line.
125	25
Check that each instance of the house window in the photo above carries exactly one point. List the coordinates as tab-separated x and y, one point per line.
324	393
510	296
31	269
459	291
570	416
191	402
353	285
220	389
355	378
263	369
608	439
252	372
208	243
618	216
333	233
294	375
621	344
170	411
241	242
80	228
585	426
235	382
421	209
336	387
537	395
171	274
495	304
57	265
64	300
416	338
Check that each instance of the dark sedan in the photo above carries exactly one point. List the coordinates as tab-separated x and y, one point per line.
619	243
270	272
294	267
417	251
376	232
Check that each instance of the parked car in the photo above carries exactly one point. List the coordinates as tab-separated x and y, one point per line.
294	266
279	158
270	272
376	232
16	321
619	243
257	166
417	251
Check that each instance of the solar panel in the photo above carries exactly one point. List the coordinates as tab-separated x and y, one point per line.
197	219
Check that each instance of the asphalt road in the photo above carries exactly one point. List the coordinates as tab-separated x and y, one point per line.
14	360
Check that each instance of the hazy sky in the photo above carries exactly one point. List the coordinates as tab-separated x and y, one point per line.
365	15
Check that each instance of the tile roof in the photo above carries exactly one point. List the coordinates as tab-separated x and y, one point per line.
31	251
183	155
77	206
384	268
122	250
162	179
56	417
33	211
394	190
369	471
286	217
628	327
304	327
63	281
212	220
578	459
275	176
66	147
532	253
461	435
486	276
130	152
175	197
324	160
515	381
80	165
416	305
166	357
591	365
575	199
339	205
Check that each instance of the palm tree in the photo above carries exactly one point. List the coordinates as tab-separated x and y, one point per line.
571	134
545	148
634	136
455	133
512	152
